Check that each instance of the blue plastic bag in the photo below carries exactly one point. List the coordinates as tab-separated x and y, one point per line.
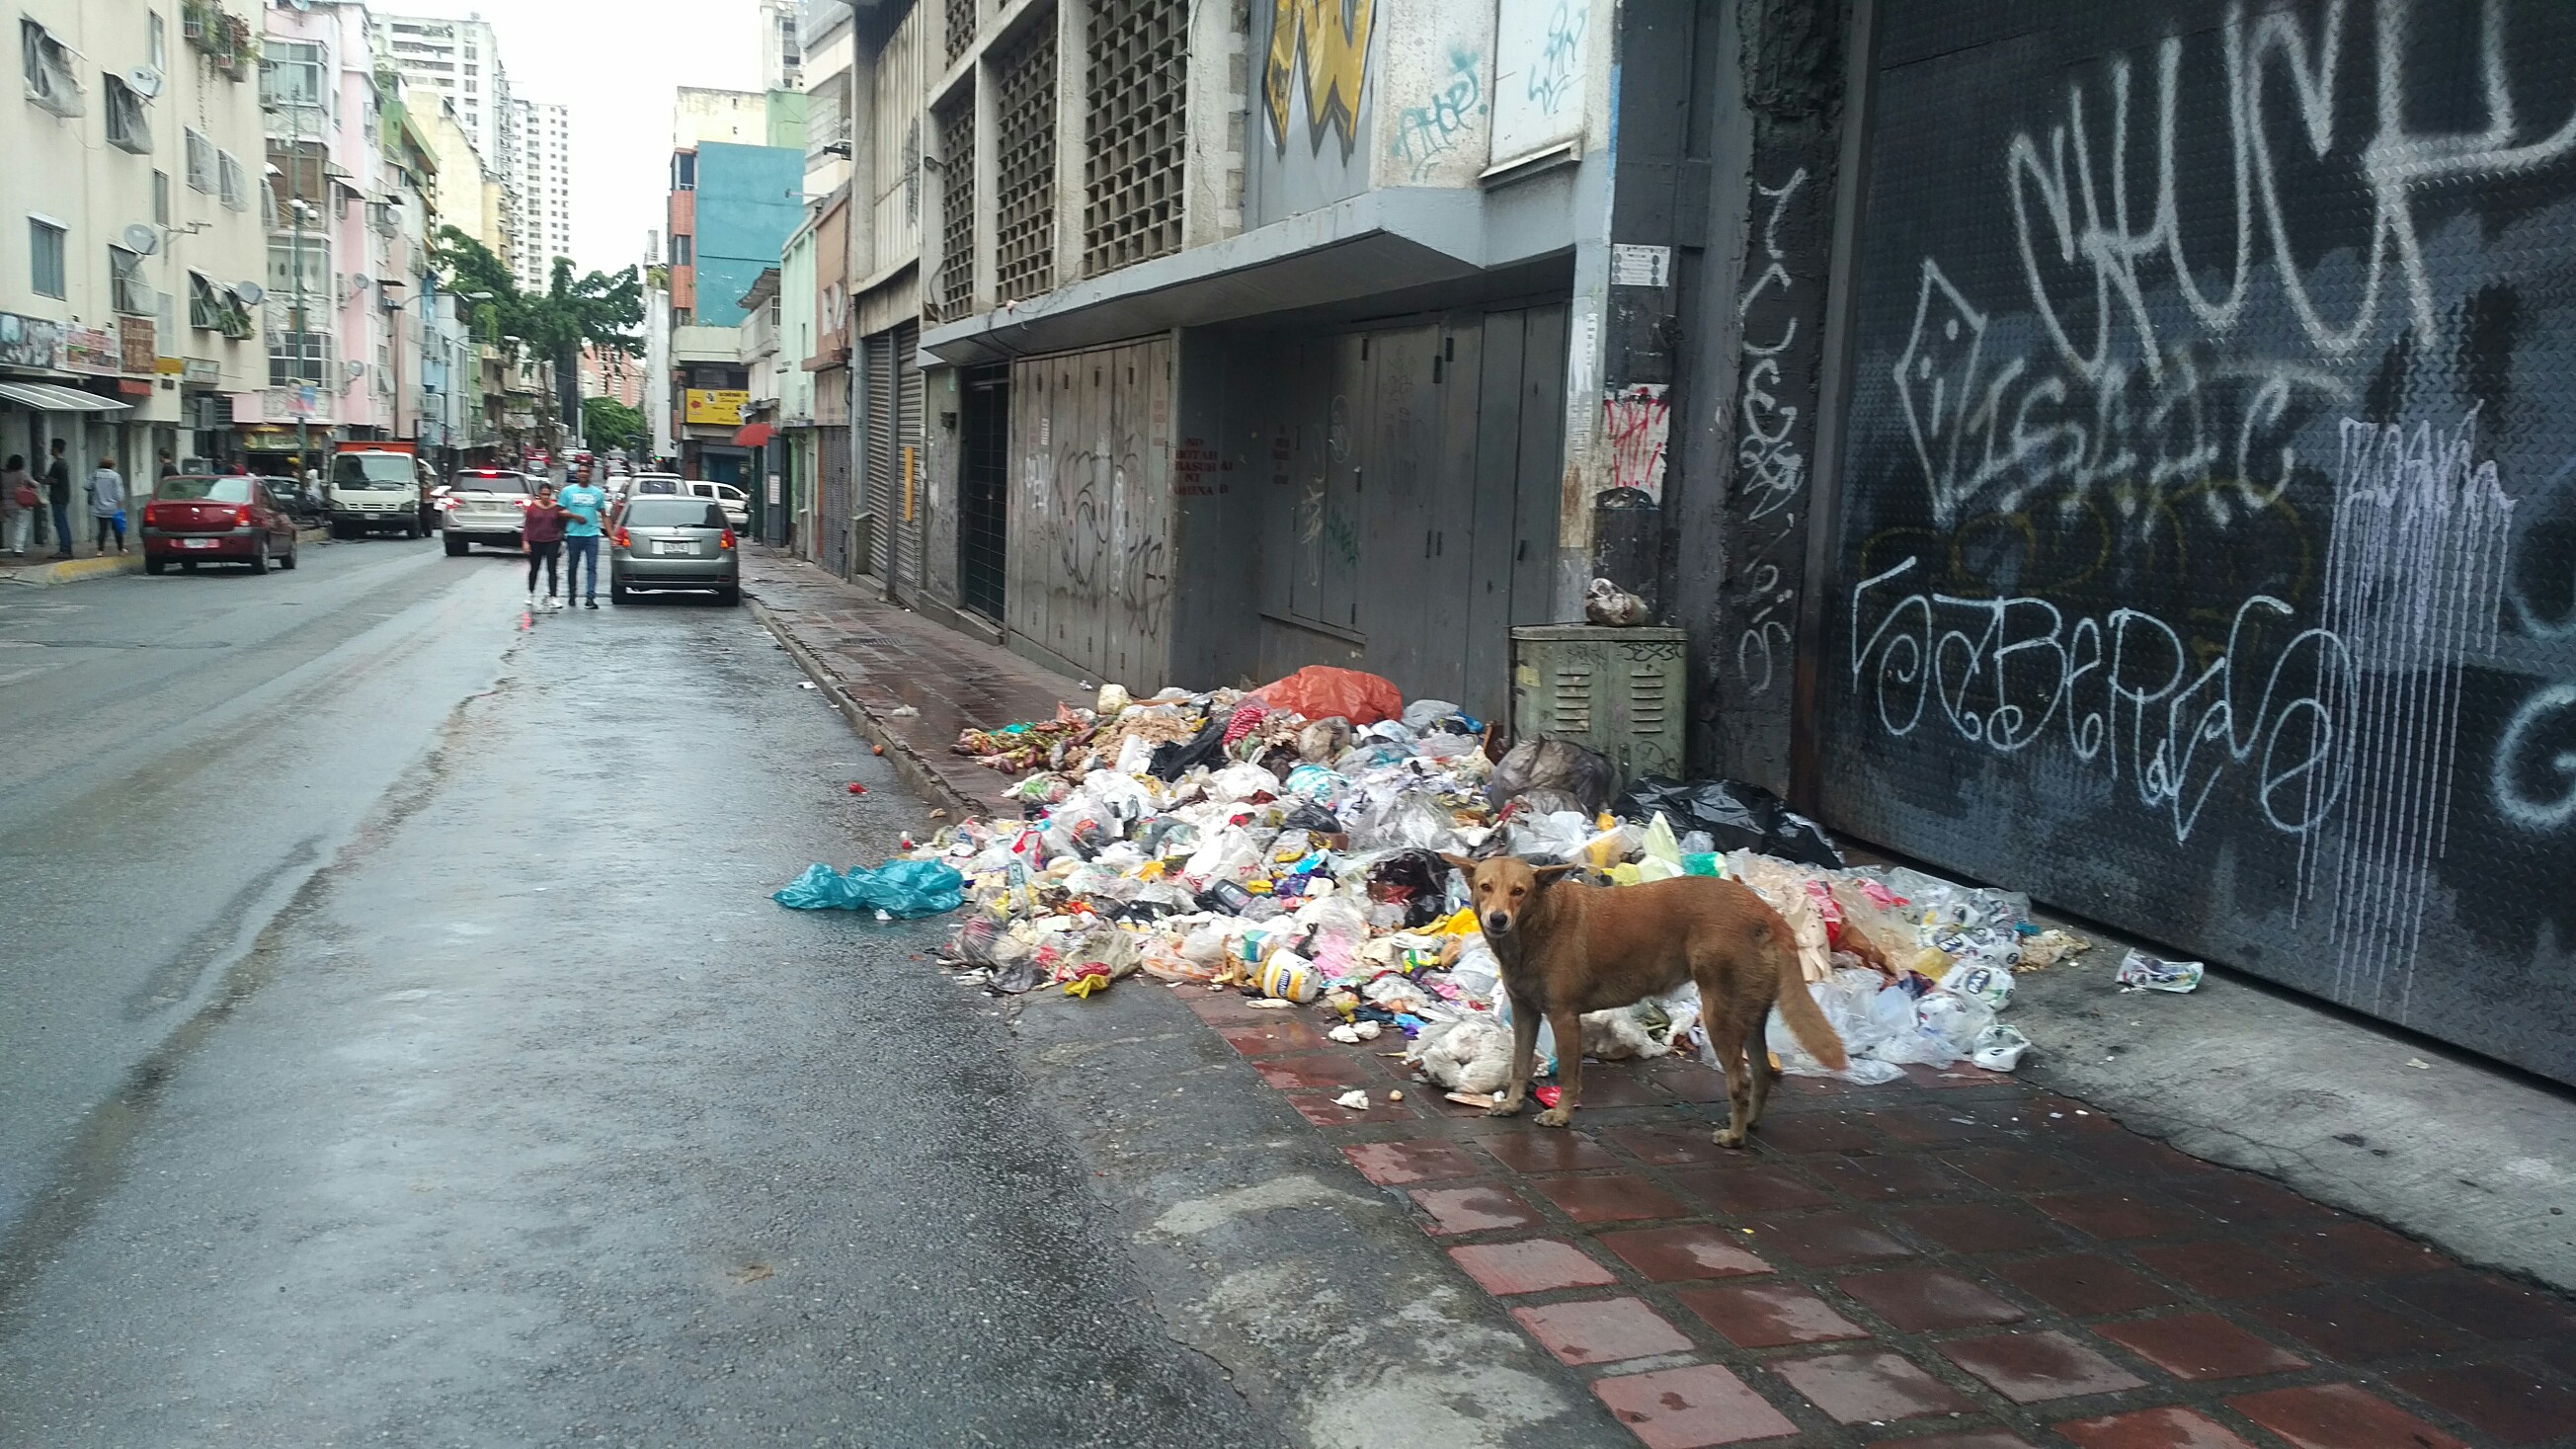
905	888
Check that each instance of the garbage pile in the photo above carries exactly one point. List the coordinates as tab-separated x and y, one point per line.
1288	843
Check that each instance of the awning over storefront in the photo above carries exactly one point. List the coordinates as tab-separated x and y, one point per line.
44	397
754	436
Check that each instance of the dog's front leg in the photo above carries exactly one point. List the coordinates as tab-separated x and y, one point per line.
1569	1067
1525	1018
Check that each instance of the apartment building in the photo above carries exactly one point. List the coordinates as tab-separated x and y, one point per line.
544	142
132	249
461	60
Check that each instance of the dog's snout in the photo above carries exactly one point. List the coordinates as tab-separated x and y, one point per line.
1497	922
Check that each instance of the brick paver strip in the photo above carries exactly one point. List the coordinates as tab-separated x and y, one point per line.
2029	1368
1691	1408
2201	1346
1481	1208
1671	1255
1768	1315
2168	1428
2510	1401
1388	1163
1869	1388
1972	1439
1532	1265
2339	1416
1601	1330
1619	1198
1928	1299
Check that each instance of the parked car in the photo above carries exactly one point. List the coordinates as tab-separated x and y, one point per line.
664	484
485	505
205	518
674	543
735	503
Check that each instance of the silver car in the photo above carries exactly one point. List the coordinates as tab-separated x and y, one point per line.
485	505
673	543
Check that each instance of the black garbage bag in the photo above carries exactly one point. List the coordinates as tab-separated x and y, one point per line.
1554	765
1736	815
1173	760
1414	879
1311	816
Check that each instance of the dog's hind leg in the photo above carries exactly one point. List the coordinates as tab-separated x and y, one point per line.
1569	1065
1726	1033
1757	1058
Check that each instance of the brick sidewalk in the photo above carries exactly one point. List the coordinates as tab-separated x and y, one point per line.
1961	1256
915	682
1957	1261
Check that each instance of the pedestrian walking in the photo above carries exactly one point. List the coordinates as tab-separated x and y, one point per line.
106	489
58	498
18	504
169	469
544	533
585	501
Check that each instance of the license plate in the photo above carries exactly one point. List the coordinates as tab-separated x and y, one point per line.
681	547
196	543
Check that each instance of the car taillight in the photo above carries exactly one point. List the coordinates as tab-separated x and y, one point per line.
242	516
726	541
622	541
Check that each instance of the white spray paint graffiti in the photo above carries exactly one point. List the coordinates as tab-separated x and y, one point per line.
1769	469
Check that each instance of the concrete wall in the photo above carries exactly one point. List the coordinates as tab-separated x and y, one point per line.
748	203
1090	584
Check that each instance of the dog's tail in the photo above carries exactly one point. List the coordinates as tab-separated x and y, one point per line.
1798	1008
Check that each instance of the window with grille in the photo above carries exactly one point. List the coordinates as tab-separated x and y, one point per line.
131	293
201	159
1024	160
1138	78
205	305
291	73
297	357
955	295
961	27
235	181
127	130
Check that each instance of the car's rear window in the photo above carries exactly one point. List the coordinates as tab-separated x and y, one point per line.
673	513
232	489
491	483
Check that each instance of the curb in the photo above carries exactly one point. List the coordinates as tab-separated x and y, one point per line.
908	764
73	571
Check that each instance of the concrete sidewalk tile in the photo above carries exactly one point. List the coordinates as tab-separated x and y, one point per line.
1691	1408
1530	1265
2238	1198
2360	1250
2340	1416
1544	1149
2200	1346
1601	1330
2486	1305
2171	1428
2343	1325
1878	1178
2115	1215
1479	1208
1826	1240
1619	1198
1735	1188
2030	1368
2225	1269
1869	1388
1675	1255
2507	1401
1393	1163
1927	1300
1978	1228
1768	1315
2084	1285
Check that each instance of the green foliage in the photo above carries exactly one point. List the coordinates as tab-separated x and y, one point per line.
607	423
599	309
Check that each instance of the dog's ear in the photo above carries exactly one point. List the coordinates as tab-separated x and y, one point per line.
1460	861
1550	874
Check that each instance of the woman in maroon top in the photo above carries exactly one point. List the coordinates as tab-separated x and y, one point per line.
544	532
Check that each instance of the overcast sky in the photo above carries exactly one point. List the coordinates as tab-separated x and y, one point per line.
616	63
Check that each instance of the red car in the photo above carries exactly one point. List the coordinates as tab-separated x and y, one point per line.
194	520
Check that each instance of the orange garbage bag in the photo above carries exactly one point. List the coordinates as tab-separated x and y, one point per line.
1319	691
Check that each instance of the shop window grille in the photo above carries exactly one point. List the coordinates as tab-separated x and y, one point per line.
1024	163
1132	173
961	27
954	295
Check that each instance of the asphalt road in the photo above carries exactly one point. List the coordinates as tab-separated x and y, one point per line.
401	1048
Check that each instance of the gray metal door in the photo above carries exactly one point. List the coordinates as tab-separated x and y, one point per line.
910	494
876	399
832	503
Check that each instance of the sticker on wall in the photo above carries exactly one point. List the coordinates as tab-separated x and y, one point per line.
1638	266
1582	349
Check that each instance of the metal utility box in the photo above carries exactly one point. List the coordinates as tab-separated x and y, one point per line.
1618	691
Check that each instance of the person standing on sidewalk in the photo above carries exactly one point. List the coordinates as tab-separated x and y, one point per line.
106	489
17	504
544	532
585	501
168	469
58	499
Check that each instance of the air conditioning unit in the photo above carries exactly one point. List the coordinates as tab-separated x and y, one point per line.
1618	691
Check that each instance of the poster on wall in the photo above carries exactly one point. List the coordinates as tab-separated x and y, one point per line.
30	342
138	351
92	350
716	407
1538	75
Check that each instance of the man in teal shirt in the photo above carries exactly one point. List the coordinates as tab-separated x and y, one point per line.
587	501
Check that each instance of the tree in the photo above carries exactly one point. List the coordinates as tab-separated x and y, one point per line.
598	309
608	423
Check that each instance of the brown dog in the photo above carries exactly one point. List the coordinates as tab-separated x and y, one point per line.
1567	949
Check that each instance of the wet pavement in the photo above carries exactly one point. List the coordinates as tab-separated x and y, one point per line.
416	1057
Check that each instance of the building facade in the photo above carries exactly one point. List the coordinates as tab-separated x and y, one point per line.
544	143
461	60
131	264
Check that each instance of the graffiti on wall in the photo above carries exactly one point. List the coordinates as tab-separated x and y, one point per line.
1539	67
1774	434
1327	42
1637	423
1446	121
2209	483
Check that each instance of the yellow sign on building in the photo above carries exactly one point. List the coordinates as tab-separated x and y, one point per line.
715	408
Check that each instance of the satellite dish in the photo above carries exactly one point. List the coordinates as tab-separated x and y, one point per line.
144	81
251	293
360	281
142	240
356	369
301	4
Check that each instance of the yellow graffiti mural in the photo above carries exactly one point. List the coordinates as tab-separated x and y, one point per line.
1330	38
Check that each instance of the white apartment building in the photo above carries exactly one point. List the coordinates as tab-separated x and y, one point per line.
544	131
461	60
782	51
132	247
